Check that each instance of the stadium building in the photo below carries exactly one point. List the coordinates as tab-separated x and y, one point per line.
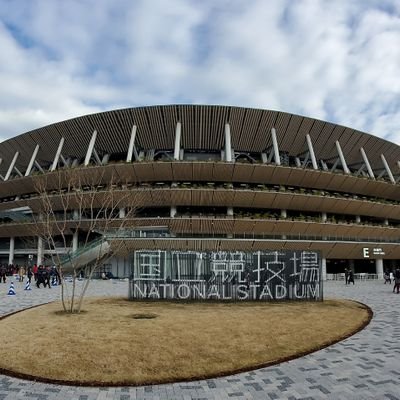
217	179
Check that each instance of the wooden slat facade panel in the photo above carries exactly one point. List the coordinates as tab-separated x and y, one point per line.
163	171
203	171
182	172
125	173
262	173
223	197
282	201
223	172
179	197
243	226
242	172
144	171
243	198
263	199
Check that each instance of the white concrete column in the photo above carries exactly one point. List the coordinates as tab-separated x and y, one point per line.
324	217
90	148
33	158
228	145
342	159
11	255
57	156
358	219
39	251
277	156
11	167
122	213
311	151
387	168
283	214
177	148
323	268
76	215
379	267
75	241
131	147
173	211
367	164
386	221
105	159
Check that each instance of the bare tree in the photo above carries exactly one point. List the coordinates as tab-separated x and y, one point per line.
85	202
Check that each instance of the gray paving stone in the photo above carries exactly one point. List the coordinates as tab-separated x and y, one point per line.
364	366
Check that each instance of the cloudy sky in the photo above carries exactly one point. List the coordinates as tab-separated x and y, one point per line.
338	60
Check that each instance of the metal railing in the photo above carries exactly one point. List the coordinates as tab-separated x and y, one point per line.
80	251
359	276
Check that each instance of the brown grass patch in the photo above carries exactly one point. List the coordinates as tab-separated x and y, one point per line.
107	345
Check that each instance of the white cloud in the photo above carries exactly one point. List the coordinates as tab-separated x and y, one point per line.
338	61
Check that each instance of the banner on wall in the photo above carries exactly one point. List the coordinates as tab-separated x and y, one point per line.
229	276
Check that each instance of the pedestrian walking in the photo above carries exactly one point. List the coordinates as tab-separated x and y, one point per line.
3	273
351	277
396	280
29	274
346	276
386	277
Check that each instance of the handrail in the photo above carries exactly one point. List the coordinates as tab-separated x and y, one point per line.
71	255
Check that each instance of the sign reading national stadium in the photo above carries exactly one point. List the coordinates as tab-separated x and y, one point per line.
271	275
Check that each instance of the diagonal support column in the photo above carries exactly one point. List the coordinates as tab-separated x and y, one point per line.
342	159
275	147
387	168
131	148
311	151
96	156
90	149
11	167
33	159
39	167
367	164
66	162
57	156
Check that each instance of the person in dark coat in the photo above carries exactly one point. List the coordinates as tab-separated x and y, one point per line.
346	276
397	280
29	274
3	273
42	276
47	277
386	277
351	277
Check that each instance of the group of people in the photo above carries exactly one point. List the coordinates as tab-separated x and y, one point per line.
42	274
20	271
390	276
46	275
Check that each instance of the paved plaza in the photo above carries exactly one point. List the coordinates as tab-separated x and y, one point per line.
364	366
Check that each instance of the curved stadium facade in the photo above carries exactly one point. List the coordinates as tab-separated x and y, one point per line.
216	178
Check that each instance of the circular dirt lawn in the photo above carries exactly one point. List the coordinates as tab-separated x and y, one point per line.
119	342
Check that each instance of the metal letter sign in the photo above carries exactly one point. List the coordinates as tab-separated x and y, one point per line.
270	275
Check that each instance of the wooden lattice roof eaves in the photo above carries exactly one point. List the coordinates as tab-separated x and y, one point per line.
202	129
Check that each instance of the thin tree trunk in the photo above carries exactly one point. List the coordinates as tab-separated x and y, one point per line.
85	286
73	291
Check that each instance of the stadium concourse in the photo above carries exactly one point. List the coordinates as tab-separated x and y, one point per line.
220	181
364	366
